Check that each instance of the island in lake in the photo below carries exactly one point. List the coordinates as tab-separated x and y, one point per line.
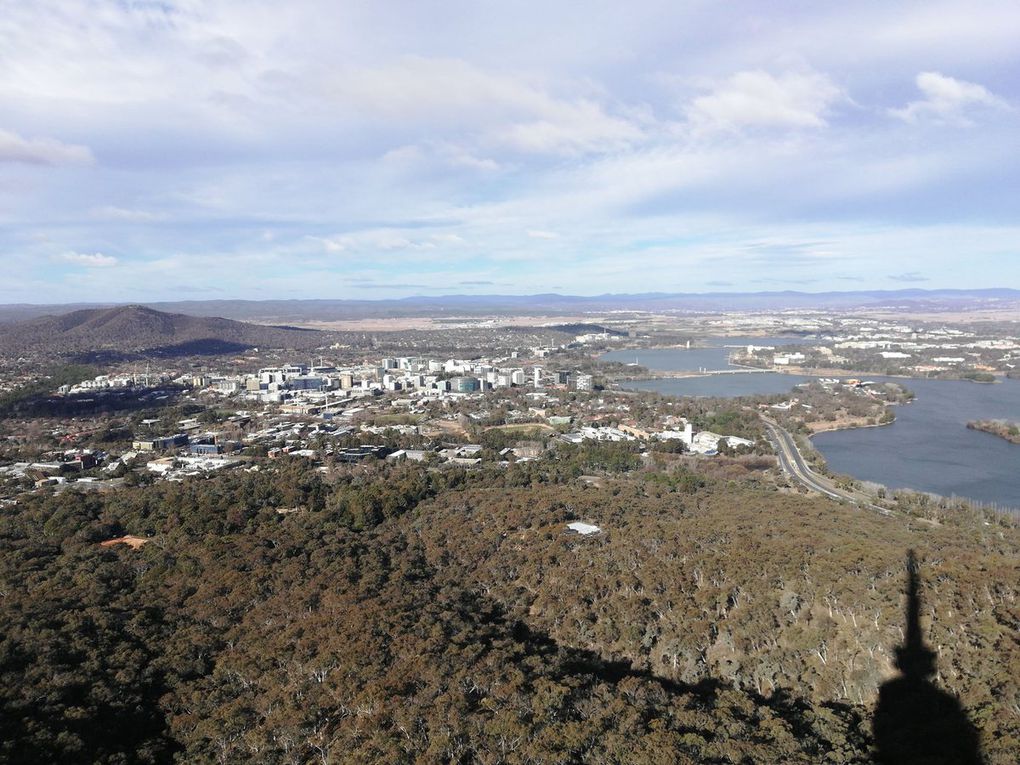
1002	428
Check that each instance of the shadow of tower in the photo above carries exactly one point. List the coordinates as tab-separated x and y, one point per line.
914	721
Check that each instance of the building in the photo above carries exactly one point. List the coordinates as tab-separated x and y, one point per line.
160	444
633	430
785	359
358	453
204	448
412	455
464	384
583	382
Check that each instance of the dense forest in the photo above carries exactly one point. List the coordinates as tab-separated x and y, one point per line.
404	613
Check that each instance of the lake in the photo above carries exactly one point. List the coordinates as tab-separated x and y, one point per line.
928	448
714	356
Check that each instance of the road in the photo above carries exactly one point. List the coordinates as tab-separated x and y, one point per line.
793	464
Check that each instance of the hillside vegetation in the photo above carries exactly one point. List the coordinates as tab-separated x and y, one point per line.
400	614
134	328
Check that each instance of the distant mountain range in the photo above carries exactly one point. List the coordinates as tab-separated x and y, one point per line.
300	311
135	329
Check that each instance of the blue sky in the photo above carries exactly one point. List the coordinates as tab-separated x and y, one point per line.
208	149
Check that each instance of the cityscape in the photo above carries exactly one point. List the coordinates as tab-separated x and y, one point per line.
521	384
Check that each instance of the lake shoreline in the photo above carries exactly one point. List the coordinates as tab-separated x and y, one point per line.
995	428
792	370
930	450
840	428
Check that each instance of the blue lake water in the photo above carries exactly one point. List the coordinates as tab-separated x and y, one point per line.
928	448
714	356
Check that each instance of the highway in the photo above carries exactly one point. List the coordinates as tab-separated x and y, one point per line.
793	464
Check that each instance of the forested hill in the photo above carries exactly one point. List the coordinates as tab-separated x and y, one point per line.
396	614
134	328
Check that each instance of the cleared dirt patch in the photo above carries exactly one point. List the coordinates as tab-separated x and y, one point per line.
133	542
524	426
842	422
438	427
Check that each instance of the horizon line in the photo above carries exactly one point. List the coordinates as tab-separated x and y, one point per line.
491	296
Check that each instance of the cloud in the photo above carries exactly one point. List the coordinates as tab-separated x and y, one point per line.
496	109
476	283
909	276
680	138
580	127
946	100
328	244
124	214
443	154
759	99
193	289
93	260
386	239
366	284
41	151
454	239
773	280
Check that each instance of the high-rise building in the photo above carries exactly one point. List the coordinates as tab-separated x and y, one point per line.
464	384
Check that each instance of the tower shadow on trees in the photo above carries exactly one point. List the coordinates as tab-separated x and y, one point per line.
915	722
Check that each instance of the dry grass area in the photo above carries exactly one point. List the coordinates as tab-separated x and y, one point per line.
988	314
404	323
439	427
524	426
842	422
133	542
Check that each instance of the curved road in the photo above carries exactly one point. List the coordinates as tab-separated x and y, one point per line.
793	464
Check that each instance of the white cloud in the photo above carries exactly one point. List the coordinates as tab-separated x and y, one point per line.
233	120
41	151
759	99
500	109
385	240
328	244
93	260
452	239
946	99
125	214
441	154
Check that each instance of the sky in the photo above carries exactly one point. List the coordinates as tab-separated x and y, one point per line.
204	149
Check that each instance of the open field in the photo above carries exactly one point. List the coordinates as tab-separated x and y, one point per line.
524	426
404	323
